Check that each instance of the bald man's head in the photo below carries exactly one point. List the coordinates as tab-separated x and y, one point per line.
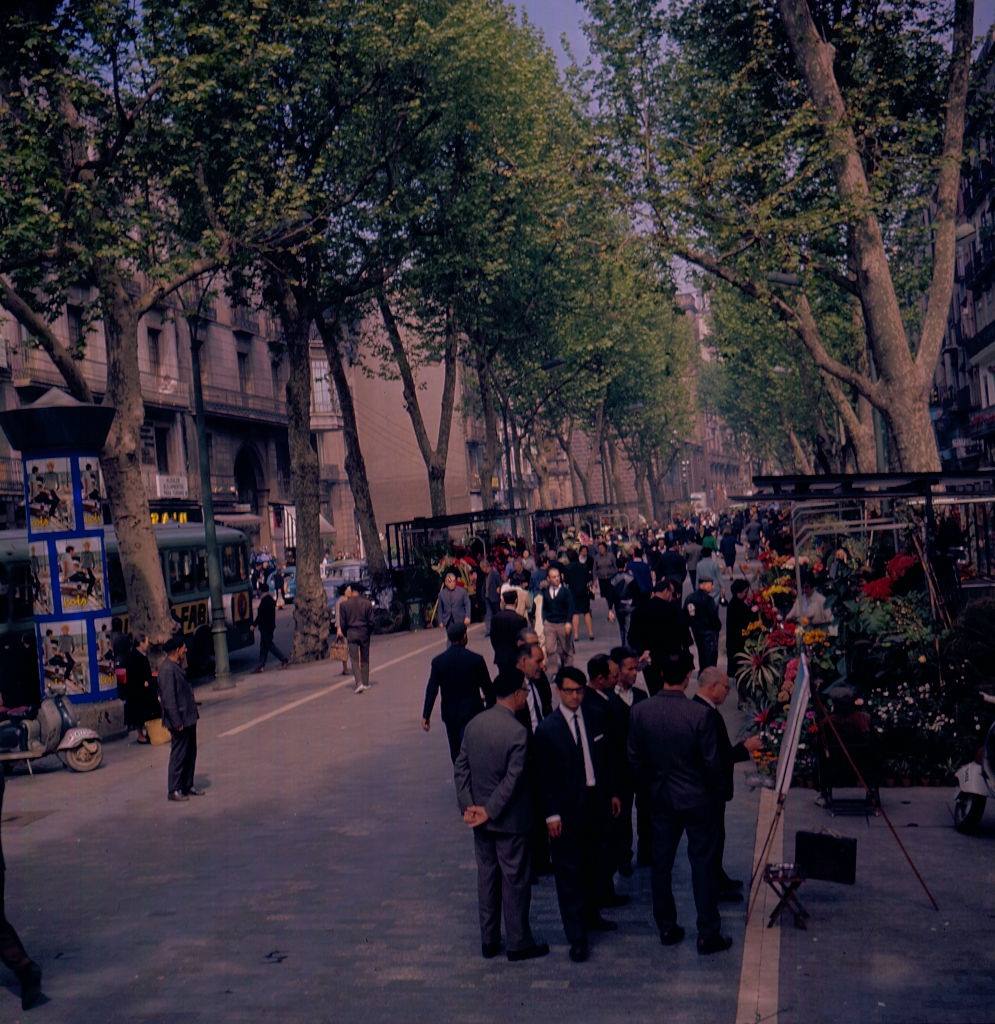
713	684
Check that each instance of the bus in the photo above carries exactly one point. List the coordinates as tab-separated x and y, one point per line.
183	561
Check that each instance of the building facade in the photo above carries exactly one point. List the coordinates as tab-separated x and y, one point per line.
963	398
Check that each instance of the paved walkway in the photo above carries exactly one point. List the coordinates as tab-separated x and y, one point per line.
326	876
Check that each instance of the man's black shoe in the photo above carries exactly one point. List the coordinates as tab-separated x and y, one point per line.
30	979
194	792
533	952
489	950
601	924
579	952
178	797
616	900
714	944
672	935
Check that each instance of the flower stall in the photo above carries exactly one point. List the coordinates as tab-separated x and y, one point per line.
900	656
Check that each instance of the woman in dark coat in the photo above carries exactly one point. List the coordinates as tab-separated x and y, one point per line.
142	695
577	577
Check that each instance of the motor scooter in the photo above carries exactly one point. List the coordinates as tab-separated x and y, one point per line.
54	729
976	780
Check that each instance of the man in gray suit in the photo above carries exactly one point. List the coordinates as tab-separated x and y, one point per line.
179	715
496	802
454	602
674	753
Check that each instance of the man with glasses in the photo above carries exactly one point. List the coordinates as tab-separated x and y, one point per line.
576	771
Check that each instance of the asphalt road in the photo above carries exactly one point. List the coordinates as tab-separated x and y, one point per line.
325	876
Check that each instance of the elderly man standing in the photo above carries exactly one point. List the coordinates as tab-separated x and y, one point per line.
454	602
494	796
713	688
179	715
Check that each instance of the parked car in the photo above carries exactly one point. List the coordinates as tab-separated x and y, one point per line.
289	583
388	612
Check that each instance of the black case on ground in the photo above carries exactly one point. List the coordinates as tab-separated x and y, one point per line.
826	858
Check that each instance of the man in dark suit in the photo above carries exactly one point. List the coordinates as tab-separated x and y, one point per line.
602	675
465	683
626	663
713	688
575	759
530	660
659	629
674	751
179	715
12	952
739	615
494	798
506	624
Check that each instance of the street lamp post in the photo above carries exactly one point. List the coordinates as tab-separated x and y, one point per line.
219	631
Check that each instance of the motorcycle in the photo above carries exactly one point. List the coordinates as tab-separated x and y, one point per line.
976	780
54	729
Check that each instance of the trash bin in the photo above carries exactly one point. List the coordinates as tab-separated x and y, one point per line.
416	619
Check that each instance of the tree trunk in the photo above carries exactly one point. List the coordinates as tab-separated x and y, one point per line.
435	459
492	443
654	485
802	460
614	490
641	496
566	443
905	377
311	619
355	464
148	606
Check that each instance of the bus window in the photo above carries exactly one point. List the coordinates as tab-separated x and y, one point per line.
4	594
22	605
233	567
181	577
115	581
200	569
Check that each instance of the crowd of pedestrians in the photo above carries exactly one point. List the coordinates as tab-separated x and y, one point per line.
589	774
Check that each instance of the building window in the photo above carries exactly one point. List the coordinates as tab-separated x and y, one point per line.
322	399
162	449
244	375
278	392
154	358
74	316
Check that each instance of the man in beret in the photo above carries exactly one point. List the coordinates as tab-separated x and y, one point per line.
179	716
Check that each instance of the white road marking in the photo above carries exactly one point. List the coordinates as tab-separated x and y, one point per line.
760	971
327	690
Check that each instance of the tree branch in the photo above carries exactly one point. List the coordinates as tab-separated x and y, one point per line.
42	331
407	379
948	181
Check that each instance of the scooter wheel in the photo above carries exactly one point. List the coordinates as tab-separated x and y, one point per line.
85	757
968	809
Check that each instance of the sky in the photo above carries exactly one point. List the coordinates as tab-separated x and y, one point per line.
564	17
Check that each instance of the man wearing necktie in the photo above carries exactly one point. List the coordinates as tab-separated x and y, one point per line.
529	661
576	770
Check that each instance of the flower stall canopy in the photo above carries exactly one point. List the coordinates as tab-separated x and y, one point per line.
405	538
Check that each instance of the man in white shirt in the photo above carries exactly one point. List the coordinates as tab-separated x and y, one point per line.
577	776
